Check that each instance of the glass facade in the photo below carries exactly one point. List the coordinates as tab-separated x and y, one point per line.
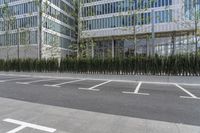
96	15
61	11
126	10
110	22
164	16
191	8
28	18
121	6
57	21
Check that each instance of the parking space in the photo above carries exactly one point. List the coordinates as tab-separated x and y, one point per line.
163	90
31	81
118	87
6	77
51	82
192	89
64	82
18	79
82	83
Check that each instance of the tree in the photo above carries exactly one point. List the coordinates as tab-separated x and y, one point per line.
53	46
24	39
82	46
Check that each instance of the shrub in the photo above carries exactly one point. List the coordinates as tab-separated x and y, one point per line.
188	65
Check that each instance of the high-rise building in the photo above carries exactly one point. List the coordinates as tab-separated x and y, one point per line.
36	28
110	28
121	28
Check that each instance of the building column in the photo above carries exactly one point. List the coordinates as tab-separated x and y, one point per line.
147	46
40	30
87	50
113	48
103	51
153	33
180	45
188	48
173	39
92	49
18	44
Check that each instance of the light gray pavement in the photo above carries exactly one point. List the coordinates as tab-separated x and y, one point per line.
66	120
105	105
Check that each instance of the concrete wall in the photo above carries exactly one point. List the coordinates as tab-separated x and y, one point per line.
24	52
32	52
53	52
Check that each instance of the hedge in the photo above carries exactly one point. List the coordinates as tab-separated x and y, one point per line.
180	65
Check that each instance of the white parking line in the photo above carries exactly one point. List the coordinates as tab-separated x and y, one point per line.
136	90
17	129
59	85
186	91
36	81
1	81
24	125
138	87
93	87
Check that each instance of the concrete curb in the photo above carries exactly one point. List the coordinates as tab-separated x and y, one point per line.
163	79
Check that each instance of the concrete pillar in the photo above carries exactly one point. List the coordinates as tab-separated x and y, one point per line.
188	48
103	51
147	46
40	34
113	48
180	44
153	33
87	50
18	44
92	49
173	43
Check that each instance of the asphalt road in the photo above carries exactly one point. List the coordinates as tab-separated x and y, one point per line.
174	103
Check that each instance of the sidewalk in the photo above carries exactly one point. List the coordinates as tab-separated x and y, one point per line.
66	120
160	79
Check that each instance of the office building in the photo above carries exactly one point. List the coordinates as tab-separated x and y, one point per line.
36	28
110	28
162	27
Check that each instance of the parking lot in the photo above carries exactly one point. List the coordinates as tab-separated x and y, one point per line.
155	89
168	102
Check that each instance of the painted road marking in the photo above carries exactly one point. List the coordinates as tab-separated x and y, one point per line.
59	85
1	81
188	97
186	91
24	125
93	87
17	129
138	87
36	81
136	90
